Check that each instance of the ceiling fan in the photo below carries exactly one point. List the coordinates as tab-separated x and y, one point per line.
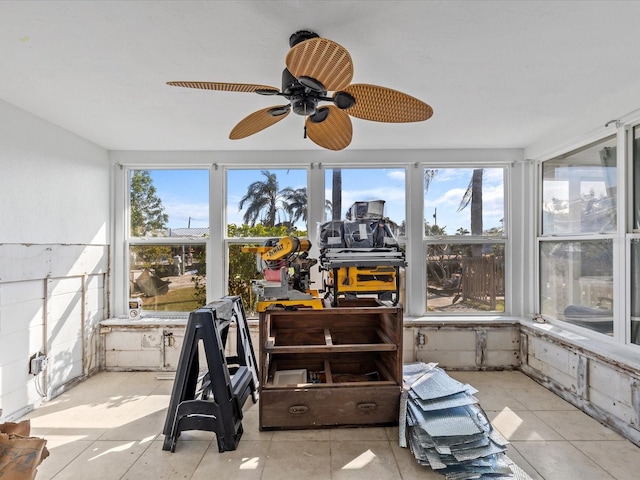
314	67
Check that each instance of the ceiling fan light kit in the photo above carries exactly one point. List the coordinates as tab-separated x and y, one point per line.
316	66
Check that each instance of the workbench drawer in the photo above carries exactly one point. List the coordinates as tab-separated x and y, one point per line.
317	407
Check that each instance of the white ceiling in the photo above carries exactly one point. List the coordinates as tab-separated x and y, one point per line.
497	74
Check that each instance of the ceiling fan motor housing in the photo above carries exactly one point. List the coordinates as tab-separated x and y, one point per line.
304	101
304	104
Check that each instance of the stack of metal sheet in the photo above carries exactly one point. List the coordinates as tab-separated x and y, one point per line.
446	429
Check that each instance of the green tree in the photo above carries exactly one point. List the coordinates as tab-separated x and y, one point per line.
199	279
147	217
436	255
149	256
434	230
147	211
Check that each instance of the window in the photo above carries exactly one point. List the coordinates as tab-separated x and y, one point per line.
634	239
464	201
260	204
465	239
576	282
579	191
169	249
635	291
578	225
168	231
352	193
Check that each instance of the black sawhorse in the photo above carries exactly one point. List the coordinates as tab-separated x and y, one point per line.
226	384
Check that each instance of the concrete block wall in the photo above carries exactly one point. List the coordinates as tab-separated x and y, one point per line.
142	345
51	303
464	345
602	383
153	344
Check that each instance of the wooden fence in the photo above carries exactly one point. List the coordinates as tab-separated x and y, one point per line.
483	279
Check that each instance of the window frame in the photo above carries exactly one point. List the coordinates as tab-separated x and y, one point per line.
130	240
631	233
226	241
620	236
503	240
315	162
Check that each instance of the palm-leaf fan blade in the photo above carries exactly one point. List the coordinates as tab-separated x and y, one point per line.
334	132
381	104
323	60
258	121
225	87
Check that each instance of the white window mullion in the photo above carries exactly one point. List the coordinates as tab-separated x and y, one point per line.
217	261
315	214
622	288
620	258
415	274
120	266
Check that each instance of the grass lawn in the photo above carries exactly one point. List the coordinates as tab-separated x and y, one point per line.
178	300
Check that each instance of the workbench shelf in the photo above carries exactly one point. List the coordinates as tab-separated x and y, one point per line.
340	366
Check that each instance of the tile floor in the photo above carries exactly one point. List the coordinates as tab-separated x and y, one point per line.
110	427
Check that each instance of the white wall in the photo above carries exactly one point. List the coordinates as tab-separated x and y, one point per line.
54	254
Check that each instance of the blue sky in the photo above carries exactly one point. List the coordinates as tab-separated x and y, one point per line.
184	193
447	190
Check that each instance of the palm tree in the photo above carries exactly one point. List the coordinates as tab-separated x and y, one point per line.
264	201
262	198
336	194
473	196
328	208
295	203
428	176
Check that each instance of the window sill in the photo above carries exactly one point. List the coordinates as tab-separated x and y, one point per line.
145	321
480	320
623	356
155	321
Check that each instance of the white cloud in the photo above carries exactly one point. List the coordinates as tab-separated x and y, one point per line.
179	214
396	175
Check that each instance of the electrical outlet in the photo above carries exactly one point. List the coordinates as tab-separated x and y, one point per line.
37	363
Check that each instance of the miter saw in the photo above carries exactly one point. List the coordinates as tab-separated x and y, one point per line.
285	264
360	255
